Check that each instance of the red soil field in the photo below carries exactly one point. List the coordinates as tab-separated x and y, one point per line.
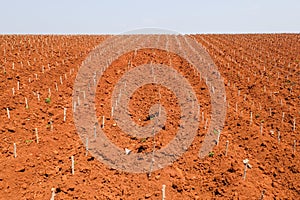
261	74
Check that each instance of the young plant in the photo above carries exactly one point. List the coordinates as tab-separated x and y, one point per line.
48	100
28	141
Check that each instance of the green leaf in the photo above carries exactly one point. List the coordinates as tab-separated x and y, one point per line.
28	141
216	132
211	154
48	100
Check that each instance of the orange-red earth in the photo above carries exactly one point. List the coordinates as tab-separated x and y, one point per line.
261	74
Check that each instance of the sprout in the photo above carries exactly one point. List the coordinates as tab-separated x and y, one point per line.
211	154
48	100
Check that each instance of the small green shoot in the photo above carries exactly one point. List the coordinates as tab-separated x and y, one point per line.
211	154
216	132
28	141
48	100
152	116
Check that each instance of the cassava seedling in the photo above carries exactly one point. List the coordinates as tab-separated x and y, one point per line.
28	141
211	154
48	100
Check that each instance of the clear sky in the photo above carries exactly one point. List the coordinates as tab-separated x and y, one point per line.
117	16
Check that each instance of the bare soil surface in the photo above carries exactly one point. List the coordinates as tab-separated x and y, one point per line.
261	74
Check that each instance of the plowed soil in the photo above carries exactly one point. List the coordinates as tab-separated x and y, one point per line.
262	77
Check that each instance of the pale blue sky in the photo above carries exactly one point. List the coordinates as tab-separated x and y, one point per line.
117	16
